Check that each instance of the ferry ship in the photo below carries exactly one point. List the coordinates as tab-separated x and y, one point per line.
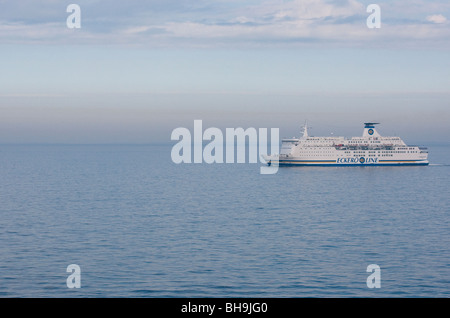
371	149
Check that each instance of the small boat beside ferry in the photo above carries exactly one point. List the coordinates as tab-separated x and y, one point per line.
371	149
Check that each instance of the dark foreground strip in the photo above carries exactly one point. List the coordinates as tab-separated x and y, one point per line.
225	307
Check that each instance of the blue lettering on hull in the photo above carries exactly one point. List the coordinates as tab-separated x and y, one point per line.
361	160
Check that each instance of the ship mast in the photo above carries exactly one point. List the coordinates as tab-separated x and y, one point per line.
305	130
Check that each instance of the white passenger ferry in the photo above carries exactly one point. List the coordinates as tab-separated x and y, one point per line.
370	149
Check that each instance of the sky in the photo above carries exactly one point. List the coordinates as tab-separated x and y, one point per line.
136	70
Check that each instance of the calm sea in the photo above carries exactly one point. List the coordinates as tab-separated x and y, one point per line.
139	225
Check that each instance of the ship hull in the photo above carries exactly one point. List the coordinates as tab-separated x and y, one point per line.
270	160
350	165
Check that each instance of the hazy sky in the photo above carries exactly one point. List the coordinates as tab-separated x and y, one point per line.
136	70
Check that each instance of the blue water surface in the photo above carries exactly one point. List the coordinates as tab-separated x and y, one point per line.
139	225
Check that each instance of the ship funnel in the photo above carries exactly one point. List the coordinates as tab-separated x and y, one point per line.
370	131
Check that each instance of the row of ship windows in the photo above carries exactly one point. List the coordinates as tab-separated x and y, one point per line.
387	151
364	142
356	156
371	153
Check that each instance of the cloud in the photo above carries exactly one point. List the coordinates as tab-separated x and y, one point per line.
271	23
436	18
306	22
308	9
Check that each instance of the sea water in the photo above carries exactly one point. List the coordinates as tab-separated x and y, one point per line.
138	225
